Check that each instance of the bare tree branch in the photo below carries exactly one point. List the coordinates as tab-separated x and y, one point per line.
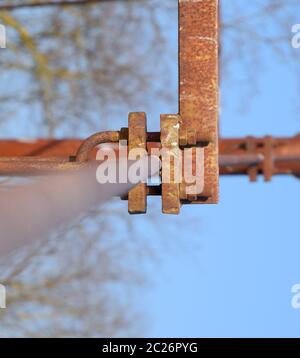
67	69
13	5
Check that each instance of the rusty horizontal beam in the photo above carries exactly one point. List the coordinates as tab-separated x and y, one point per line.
34	166
39	147
235	158
278	156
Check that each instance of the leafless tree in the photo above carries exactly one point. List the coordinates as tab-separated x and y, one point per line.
71	71
17	4
79	65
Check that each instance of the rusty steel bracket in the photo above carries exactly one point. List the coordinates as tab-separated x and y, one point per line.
266	156
264	148
195	125
197	121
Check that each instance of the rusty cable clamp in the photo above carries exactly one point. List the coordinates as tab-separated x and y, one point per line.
172	140
195	125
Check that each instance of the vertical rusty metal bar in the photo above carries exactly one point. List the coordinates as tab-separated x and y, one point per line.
169	125
199	81
137	139
251	147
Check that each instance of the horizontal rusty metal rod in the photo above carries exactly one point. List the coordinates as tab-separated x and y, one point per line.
233	159
35	166
281	156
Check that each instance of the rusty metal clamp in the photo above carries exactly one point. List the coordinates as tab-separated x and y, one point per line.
171	142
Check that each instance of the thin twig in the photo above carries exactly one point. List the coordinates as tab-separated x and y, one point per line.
13	5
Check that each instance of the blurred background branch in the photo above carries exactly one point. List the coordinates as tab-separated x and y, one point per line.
72	71
12	5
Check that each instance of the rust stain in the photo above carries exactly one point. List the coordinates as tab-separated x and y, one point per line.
199	83
137	138
169	125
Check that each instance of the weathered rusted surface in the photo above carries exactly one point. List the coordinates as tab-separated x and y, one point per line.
137	139
90	143
169	136
279	156
268	164
251	150
39	147
35	166
199	83
196	124
234	155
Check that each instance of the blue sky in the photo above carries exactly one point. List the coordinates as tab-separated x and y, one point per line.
236	279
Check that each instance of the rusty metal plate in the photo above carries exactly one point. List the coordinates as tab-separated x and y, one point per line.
251	148
169	125
199	82
137	138
268	166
